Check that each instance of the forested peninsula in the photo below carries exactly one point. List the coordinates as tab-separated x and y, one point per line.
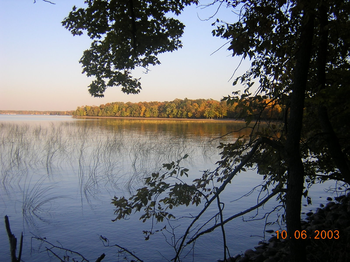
187	108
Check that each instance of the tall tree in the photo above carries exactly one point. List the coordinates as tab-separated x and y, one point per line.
290	48
300	60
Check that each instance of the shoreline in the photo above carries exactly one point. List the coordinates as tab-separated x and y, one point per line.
328	231
160	118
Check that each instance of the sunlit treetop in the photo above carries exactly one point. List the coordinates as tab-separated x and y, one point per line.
126	34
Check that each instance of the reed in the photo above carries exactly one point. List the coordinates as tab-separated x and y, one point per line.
96	157
37	201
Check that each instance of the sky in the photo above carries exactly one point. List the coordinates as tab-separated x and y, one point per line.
40	70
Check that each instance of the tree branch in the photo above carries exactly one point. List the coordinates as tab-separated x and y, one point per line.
13	242
222	228
133	27
104	239
129	252
331	138
218	192
46	2
275	192
62	248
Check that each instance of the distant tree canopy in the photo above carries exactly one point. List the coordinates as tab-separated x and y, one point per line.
187	108
33	112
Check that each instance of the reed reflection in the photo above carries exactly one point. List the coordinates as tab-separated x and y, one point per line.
97	155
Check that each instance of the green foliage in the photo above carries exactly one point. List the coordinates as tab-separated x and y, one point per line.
269	34
162	192
126	34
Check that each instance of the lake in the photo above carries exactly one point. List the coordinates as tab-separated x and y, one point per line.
59	174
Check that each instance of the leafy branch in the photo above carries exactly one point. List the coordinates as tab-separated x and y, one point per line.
147	199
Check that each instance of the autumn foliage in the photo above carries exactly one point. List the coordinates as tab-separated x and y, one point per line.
186	108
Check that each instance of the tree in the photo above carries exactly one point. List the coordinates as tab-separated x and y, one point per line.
126	34
300	59
294	55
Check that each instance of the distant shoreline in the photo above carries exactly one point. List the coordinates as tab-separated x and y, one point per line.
34	112
160	118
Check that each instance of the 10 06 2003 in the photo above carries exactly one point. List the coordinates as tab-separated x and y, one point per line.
303	234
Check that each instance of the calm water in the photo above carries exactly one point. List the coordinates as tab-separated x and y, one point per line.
58	175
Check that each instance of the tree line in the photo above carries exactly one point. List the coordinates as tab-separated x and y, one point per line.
187	108
33	112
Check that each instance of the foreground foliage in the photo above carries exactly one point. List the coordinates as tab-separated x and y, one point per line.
126	34
300	60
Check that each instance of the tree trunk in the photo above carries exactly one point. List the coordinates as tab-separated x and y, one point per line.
295	165
334	148
331	138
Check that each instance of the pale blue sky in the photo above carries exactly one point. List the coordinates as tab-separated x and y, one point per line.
40	70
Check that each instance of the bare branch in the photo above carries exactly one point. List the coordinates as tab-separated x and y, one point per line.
222	227
129	252
13	242
228	133
217	10
100	258
20	247
105	240
275	192
53	253
234	72
220	49
248	193
58	247
46	2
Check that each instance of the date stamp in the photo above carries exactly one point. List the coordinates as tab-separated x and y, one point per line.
318	234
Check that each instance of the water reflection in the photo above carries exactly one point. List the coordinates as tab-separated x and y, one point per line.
54	168
100	154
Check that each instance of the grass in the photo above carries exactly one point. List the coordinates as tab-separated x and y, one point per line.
37	201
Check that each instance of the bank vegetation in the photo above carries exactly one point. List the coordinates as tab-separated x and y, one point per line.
188	108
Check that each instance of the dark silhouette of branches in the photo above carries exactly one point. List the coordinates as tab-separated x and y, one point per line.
13	242
46	2
105	242
53	247
277	190
222	227
244	161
